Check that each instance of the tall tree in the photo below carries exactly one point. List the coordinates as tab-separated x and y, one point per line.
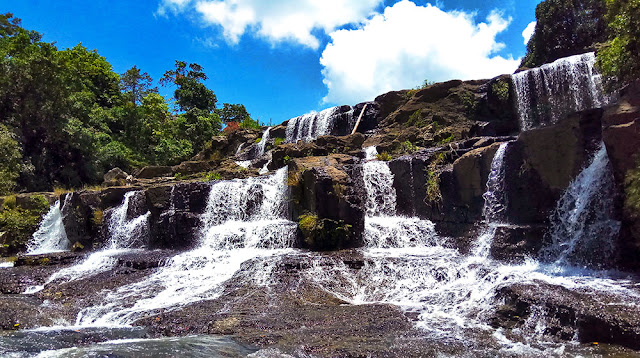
136	84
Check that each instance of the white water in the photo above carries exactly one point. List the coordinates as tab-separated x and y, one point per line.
407	264
311	125
495	204
260	147
582	229
244	224
125	235
548	93
50	236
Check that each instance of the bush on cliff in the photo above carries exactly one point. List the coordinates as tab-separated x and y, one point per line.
619	60
17	224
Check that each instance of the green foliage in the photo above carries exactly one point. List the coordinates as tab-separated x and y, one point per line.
412	92
432	184
136	85
632	190
447	140
10	156
384	156
277	141
416	119
233	113
407	147
564	28
468	100
67	116
307	223
211	176
501	90
619	59
19	224
286	159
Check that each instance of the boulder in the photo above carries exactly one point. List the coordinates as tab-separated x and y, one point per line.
471	172
589	316
115	174
35	201
513	244
193	167
77	213
154	172
326	201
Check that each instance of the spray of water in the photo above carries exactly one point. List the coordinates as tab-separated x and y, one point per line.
51	235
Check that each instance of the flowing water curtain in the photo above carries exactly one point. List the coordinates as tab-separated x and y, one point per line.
51	235
546	94
583	231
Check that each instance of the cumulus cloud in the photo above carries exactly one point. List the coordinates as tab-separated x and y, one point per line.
276	20
408	44
528	32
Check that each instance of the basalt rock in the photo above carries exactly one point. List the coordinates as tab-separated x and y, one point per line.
590	316
154	172
621	135
542	162
326	202
77	215
324	145
115	175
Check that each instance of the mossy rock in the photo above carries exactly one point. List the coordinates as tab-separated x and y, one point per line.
324	234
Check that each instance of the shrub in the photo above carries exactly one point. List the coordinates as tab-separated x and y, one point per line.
211	176
384	156
407	147
277	141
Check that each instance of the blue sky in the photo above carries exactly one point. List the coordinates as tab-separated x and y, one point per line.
283	58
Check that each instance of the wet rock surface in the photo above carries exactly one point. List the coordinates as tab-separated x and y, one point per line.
589	316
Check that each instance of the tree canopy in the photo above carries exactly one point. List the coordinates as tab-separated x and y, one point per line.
66	117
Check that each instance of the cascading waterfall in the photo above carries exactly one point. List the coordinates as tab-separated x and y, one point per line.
582	229
548	93
244	220
262	145
408	265
495	203
311	125
125	235
51	235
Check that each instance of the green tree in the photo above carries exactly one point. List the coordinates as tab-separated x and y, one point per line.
136	85
565	28
232	113
198	121
619	60
10	157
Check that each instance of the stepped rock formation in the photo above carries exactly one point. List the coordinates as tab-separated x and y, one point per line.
432	222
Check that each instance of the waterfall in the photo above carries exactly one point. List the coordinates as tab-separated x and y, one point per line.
124	234
583	230
310	126
407	264
547	94
245	220
495	203
51	235
260	147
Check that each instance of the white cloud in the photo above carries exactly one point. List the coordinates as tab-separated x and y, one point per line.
174	6
528	32
277	20
408	44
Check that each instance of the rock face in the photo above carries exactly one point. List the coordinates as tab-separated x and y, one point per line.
542	162
325	202
621	135
589	316
175	211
